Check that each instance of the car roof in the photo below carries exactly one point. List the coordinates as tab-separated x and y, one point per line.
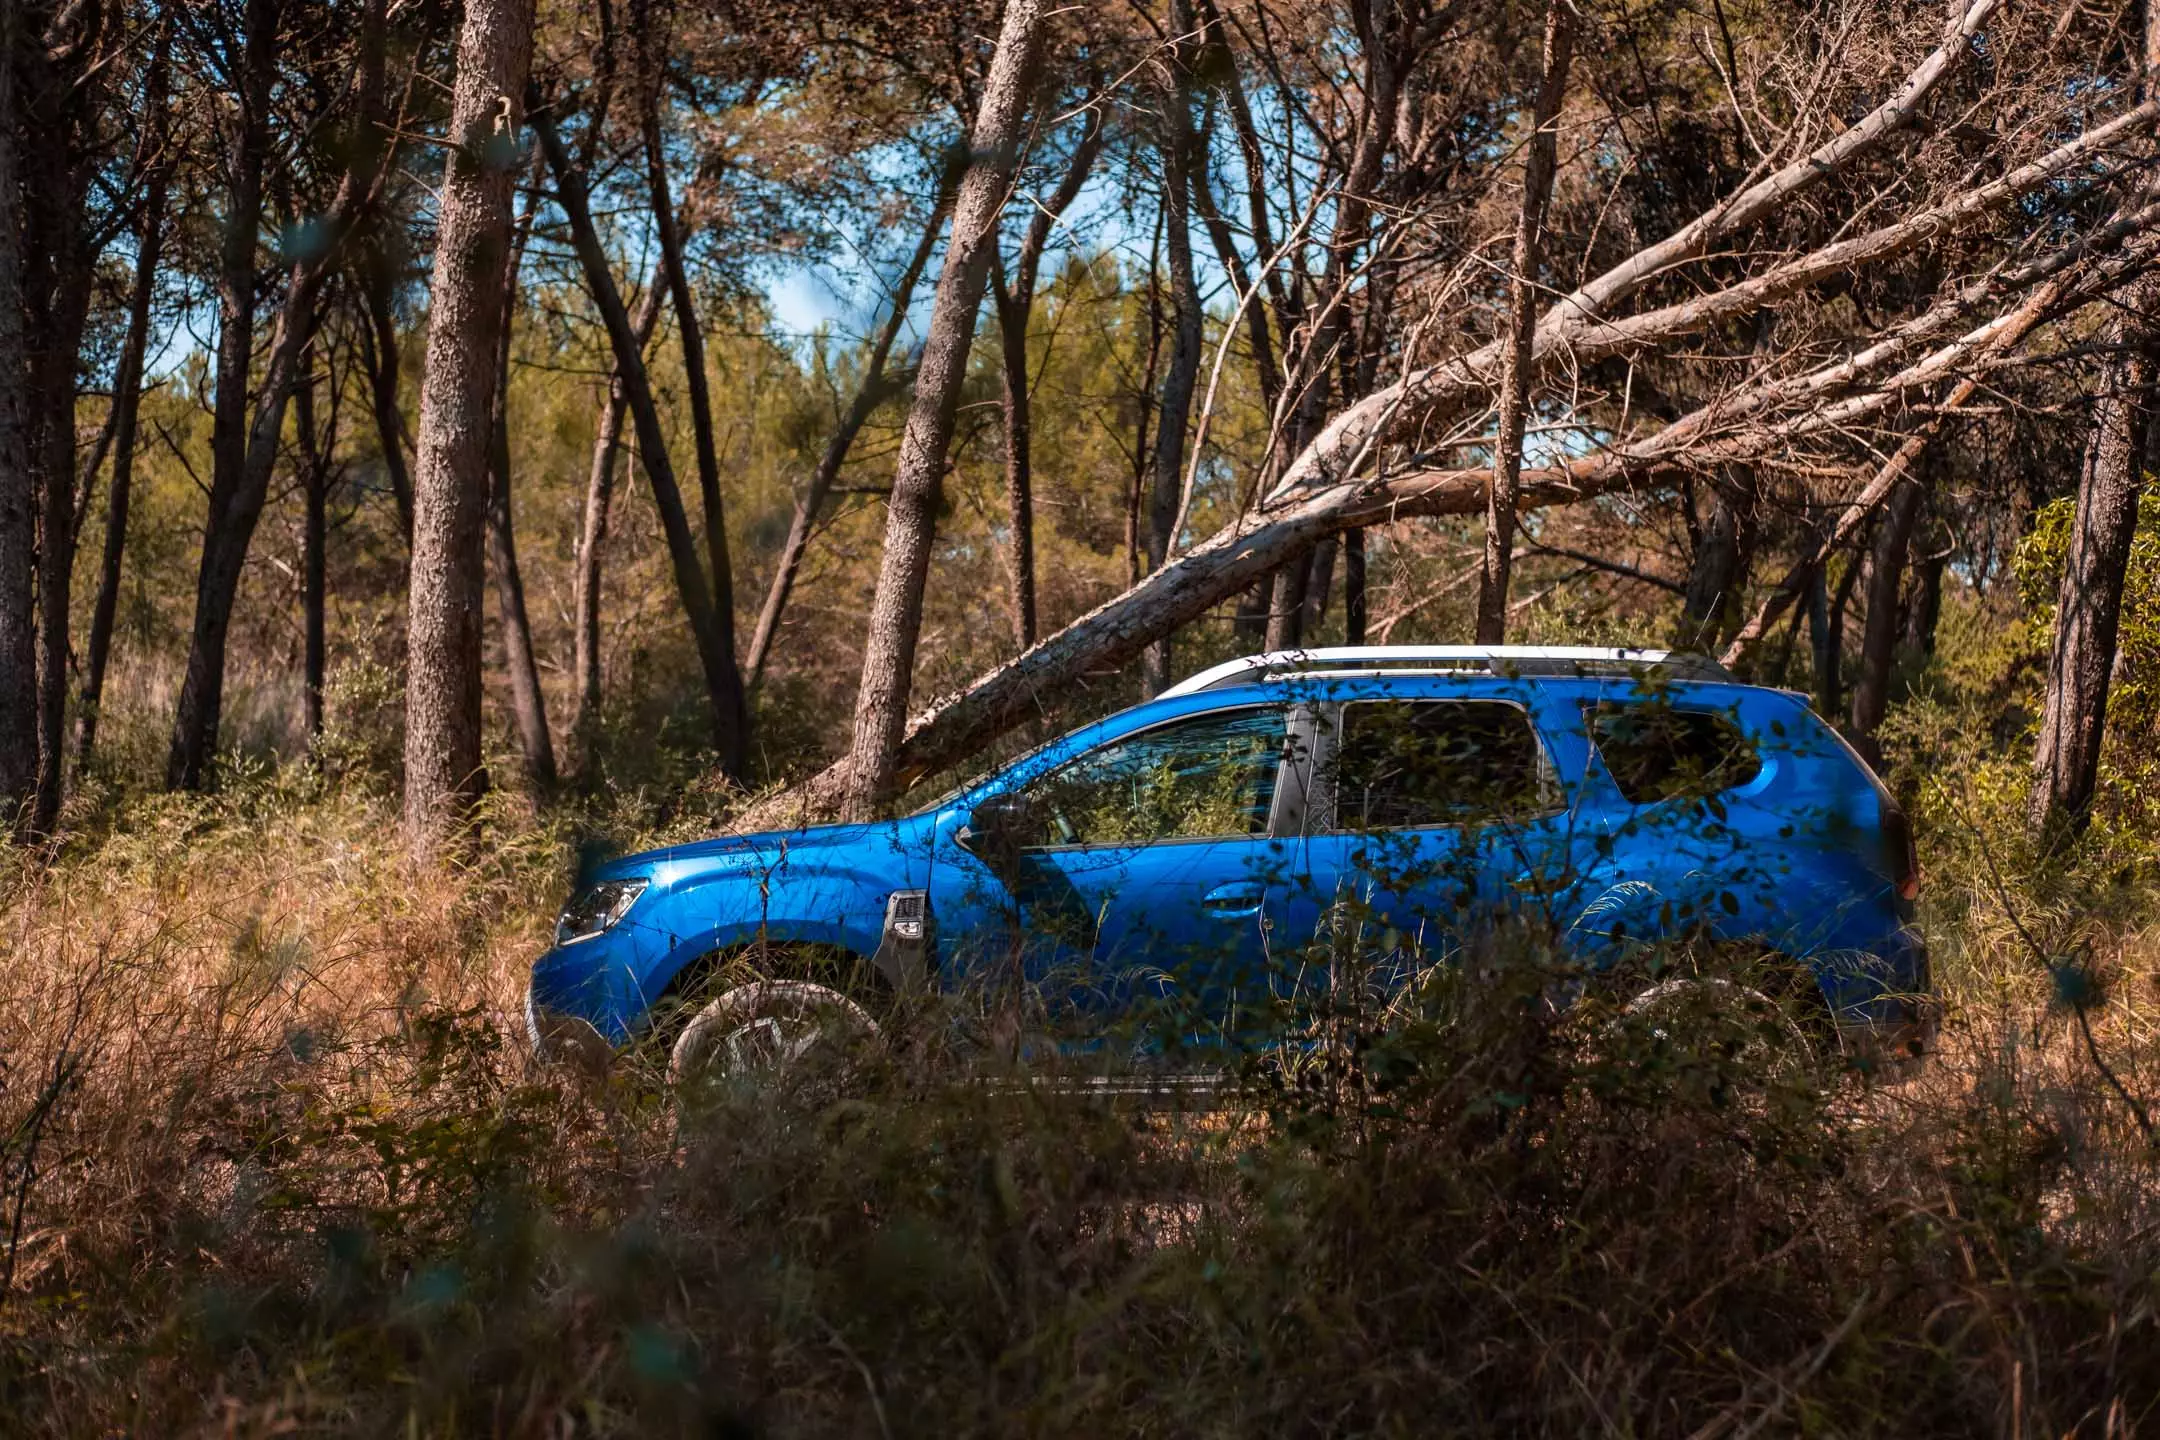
1508	661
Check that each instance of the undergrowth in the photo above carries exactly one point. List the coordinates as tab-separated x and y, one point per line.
276	1159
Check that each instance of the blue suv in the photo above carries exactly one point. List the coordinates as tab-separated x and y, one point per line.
1198	843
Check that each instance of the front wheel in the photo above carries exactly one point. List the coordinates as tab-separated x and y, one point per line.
767	1027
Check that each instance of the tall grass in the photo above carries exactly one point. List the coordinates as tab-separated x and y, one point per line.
275	1160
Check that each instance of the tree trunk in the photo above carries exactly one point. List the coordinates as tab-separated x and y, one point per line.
593	528
127	407
1319	583
1829	641
1015	306
1179	164
1878	641
1144	404
465	313
18	502
1719	571
727	678
1822	645
195	722
896	612
2066	764
1353	595
690	584
1517	368
1924	614
875	389
2088	607
243	456
383	368
60	321
1223	71
528	705
316	451
1286	603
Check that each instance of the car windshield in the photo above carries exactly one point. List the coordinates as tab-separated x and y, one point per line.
946	797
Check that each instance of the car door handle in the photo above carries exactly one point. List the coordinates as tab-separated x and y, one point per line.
1230	901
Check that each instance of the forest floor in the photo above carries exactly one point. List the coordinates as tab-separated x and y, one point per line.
276	1159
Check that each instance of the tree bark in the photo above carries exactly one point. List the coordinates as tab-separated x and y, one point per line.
1319	582
528	704
727	678
1286	603
316	451
1179	164
875	389
1924	613
60	320
1144	404
2088	607
195	723
59	71
690	583
383	369
1516	372
442	684
1719	570
18	503
127	408
896	611
593	529
2066	763
1353	541
1878	641
245	454
1015	307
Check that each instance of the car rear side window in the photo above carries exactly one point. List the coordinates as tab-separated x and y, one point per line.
1406	764
1656	752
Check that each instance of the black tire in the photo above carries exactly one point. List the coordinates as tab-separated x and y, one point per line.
763	1028
708	977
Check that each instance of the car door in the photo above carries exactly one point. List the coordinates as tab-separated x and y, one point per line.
1146	865
1431	816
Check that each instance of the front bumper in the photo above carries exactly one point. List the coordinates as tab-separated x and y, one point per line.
565	1039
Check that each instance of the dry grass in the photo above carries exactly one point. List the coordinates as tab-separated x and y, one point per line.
275	1161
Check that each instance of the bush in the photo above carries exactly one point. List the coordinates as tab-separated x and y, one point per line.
274	1158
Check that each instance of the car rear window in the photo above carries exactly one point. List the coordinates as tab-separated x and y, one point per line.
1403	764
1656	752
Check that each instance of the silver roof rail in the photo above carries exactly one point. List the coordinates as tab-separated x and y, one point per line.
1526	660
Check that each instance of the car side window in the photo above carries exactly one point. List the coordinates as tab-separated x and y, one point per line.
1406	764
1207	776
1655	752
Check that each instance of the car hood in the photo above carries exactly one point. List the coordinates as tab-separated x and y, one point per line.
765	845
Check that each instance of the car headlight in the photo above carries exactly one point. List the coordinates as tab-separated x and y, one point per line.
596	908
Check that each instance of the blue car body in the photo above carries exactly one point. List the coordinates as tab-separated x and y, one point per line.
1783	838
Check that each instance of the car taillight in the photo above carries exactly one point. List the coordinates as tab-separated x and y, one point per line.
1903	855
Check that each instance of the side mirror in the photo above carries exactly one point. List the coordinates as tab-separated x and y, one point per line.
1000	825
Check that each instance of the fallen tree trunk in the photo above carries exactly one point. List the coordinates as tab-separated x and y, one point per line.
1116	631
1320	494
1343	445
